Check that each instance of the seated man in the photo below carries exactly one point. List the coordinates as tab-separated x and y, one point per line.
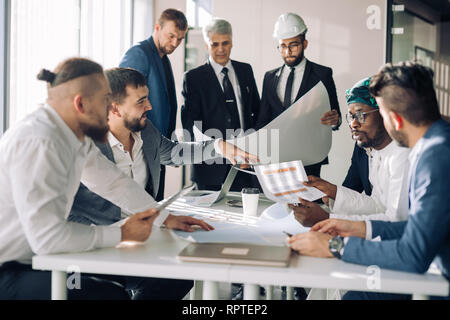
387	163
408	105
139	149
42	159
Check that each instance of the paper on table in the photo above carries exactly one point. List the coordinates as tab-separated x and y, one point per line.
283	182
263	232
296	134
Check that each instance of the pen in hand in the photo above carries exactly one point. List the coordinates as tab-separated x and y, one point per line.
287	233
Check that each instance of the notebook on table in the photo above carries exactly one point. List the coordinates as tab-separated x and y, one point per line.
236	253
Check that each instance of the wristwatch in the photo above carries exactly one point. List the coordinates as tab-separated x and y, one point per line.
336	246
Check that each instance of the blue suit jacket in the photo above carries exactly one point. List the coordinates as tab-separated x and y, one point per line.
412	245
144	57
358	174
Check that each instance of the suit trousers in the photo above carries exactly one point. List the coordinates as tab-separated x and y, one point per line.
21	282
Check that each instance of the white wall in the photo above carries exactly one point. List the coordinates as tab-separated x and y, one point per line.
338	37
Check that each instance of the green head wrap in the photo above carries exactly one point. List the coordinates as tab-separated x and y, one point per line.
359	93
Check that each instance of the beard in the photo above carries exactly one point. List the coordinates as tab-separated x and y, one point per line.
135	125
296	61
378	139
401	138
96	133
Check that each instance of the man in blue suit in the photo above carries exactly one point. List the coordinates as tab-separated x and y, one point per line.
410	111
150	58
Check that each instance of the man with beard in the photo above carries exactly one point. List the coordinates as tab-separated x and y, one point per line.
408	104
283	86
139	149
42	160
150	57
387	166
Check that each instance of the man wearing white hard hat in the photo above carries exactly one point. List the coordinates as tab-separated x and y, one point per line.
285	85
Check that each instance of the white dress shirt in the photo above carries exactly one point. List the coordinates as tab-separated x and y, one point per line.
388	174
234	82
133	165
41	165
298	78
412	157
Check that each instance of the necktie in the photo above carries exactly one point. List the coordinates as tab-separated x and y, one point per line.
230	102
288	92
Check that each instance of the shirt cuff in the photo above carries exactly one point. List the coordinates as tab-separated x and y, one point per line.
343	247
338	201
368	230
107	236
217	148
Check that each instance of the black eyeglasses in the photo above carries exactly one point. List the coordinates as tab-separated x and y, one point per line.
359	116
292	47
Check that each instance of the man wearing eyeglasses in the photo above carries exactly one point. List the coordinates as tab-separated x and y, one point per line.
285	85
386	163
379	167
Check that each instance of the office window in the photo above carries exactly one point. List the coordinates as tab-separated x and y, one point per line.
198	13
44	32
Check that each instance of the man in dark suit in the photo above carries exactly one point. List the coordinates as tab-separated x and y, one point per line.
220	100
409	107
149	57
285	85
138	149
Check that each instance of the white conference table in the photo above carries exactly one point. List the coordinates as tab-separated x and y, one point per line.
157	258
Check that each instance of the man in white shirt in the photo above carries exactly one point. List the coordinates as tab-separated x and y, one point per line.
42	161
388	170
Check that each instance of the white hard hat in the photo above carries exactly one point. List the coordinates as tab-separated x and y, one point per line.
289	25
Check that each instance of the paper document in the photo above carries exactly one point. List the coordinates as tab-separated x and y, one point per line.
283	182
296	134
241	230
165	203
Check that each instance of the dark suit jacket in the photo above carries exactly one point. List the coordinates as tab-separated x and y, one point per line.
412	245
145	58
90	208
272	107
204	101
358	174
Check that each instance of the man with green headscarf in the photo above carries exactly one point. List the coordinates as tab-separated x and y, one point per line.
387	165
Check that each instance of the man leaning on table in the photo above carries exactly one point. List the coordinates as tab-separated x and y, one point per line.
410	111
43	158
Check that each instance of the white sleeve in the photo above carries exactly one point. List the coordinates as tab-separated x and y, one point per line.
104	178
40	173
397	193
351	202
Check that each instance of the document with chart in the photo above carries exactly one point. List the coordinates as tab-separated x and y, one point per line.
283	182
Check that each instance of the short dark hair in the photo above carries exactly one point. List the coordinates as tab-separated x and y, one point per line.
68	70
120	78
178	18
411	93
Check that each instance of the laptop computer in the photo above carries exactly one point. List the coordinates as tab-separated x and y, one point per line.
236	253
208	198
